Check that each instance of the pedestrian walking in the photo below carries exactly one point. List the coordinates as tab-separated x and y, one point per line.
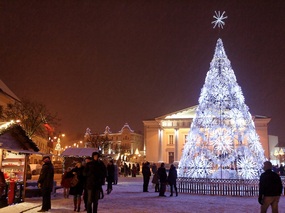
146	176
116	173
95	172
45	183
134	170
138	168
125	170
65	183
85	193
77	190
270	189
171	179
110	176
162	176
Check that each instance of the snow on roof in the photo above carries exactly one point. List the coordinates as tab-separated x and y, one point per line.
7	91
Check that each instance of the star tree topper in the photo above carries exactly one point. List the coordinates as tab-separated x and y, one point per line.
219	19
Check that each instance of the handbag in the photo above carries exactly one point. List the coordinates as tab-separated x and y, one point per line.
74	181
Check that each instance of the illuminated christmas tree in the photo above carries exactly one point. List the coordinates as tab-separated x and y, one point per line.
222	142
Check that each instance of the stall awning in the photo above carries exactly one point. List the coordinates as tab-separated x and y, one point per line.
14	138
78	152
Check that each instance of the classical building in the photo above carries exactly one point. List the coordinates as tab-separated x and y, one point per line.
165	136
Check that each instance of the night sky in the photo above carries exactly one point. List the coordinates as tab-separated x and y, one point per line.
99	63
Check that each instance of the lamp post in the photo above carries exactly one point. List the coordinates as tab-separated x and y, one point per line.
279	154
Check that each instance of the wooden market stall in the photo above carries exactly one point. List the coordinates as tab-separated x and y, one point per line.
15	148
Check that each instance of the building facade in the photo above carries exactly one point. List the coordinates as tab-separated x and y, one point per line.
126	143
165	136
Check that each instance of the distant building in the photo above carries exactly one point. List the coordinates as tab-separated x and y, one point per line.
165	136
125	142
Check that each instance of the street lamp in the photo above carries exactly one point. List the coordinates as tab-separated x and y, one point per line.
279	154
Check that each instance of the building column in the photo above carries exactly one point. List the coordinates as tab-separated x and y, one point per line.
176	145
132	147
160	138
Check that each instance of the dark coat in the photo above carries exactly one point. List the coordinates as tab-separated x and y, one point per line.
162	176
146	170
46	176
270	184
78	188
95	172
66	180
2	183
172	176
110	172
155	178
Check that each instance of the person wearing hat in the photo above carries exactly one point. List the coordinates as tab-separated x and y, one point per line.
270	188
85	193
95	172
45	183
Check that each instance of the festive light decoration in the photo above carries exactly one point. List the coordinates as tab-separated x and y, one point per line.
219	19
222	142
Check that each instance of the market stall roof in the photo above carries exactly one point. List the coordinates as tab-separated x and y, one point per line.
80	152
13	137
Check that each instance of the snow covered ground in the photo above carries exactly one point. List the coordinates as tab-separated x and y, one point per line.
127	197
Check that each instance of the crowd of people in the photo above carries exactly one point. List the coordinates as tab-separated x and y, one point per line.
87	179
130	169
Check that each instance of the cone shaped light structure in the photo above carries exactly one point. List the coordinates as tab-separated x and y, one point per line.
222	142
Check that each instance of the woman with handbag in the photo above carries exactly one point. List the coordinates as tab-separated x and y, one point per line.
77	185
65	182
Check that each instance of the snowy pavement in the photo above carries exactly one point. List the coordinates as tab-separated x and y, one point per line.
127	197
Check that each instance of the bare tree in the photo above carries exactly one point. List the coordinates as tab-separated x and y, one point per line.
34	117
95	140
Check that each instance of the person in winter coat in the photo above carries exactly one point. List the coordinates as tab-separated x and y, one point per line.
172	176
162	176
125	170
146	176
77	190
153	168
2	183
116	174
65	183
110	176
155	181
134	170
138	168
45	183
85	193
95	172
270	189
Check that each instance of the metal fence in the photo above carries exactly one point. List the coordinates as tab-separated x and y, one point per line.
226	187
